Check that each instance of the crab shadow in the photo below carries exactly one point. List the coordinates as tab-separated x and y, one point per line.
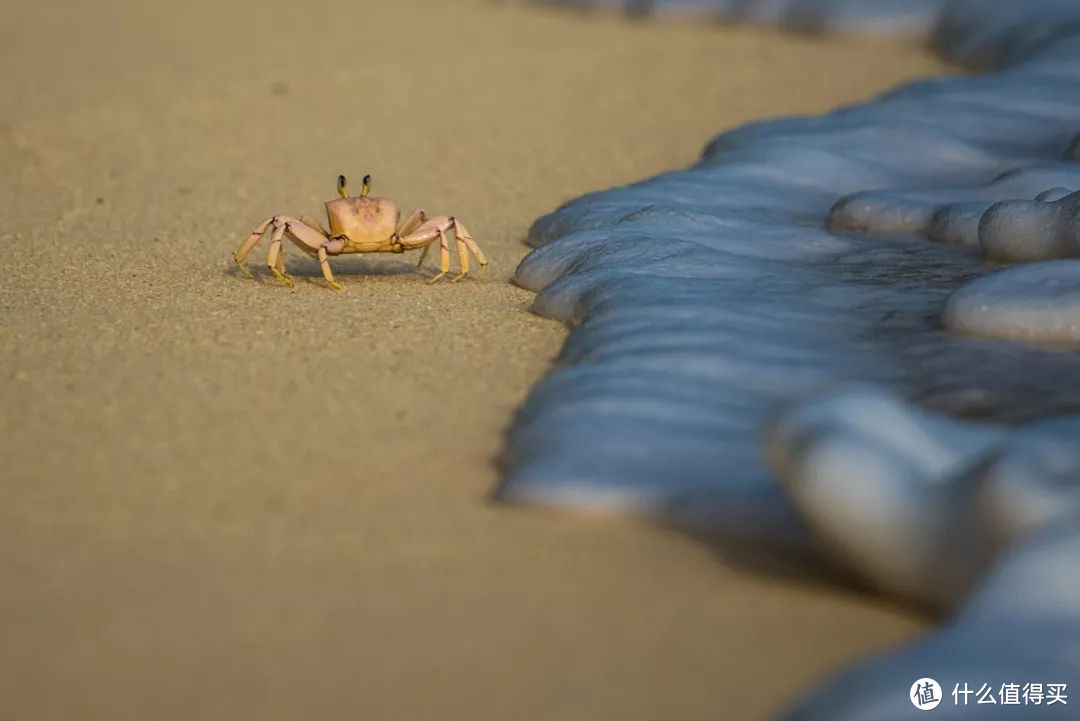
309	271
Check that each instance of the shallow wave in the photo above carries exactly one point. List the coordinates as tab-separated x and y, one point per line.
801	255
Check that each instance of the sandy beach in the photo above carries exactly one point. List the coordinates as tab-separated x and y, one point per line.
226	499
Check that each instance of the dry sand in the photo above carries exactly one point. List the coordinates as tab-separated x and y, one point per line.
226	500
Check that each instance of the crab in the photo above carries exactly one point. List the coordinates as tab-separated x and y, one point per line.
361	224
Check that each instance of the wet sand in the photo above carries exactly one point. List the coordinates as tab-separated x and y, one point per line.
225	499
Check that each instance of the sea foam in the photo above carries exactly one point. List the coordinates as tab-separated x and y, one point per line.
799	256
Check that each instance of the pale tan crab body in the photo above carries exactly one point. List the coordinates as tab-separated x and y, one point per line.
368	224
361	224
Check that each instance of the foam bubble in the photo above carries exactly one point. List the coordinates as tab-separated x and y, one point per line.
1031	230
945	513
1037	302
913	211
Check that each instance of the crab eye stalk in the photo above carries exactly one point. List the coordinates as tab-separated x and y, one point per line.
367	186
342	189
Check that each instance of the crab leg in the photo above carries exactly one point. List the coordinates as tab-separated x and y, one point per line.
423	236
274	258
444	256
249	244
314	224
313	242
462	255
324	263
465	243
414	221
305	232
280	265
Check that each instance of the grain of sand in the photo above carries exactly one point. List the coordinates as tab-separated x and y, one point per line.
223	499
